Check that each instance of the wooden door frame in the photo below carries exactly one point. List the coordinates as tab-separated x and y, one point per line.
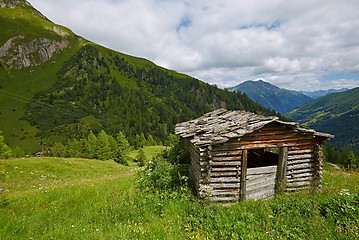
281	171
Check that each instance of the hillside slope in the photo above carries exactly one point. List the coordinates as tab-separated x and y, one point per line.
271	96
336	113
55	85
321	93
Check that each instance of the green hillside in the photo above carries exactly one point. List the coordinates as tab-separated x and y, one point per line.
336	113
23	26
55	85
55	198
279	99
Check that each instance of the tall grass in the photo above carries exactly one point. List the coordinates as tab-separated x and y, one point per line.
88	199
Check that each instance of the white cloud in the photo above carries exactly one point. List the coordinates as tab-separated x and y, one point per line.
292	44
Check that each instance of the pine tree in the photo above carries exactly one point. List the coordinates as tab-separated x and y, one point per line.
122	141
91	146
103	149
141	158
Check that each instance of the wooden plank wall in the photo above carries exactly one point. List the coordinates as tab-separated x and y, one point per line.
198	168
224	173
219	166
261	182
302	167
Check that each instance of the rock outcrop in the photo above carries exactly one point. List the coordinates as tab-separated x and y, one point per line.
18	54
13	3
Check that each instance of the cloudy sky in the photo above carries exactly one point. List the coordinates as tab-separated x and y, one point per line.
300	45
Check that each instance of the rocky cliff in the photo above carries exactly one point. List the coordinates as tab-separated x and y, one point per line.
18	54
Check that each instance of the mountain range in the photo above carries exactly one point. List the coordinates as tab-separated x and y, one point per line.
270	96
321	93
336	113
55	85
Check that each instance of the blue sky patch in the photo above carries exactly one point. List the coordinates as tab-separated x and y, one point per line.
341	75
185	22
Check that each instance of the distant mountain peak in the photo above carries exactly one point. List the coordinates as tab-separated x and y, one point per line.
320	93
271	96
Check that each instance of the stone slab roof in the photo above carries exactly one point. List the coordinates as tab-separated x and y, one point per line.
221	125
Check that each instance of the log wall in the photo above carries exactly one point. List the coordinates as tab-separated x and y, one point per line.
219	166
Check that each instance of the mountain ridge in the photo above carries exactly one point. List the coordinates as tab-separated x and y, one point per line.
321	93
271	96
336	113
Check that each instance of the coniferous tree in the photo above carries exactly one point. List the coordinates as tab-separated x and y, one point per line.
141	158
122	141
103	149
91	145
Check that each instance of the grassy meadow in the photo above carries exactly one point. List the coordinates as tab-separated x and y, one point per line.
57	198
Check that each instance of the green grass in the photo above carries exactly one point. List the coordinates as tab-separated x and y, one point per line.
17	87
59	198
150	151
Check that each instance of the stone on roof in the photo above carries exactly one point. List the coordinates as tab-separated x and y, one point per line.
221	125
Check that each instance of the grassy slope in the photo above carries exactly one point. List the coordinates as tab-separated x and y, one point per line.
19	86
150	151
336	113
89	199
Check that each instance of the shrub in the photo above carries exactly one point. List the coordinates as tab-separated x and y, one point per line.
5	150
162	173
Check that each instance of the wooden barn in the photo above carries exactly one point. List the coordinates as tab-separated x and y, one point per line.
238	155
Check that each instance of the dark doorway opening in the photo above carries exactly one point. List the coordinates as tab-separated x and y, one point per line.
262	157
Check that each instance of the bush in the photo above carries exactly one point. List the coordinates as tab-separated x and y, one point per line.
5	150
162	173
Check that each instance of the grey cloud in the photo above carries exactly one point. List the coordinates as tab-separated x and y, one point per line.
290	43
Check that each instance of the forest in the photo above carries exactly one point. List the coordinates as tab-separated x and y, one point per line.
100	90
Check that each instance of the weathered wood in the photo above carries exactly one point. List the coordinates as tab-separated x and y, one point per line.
281	170
262	194
299	184
295	189
243	175
268	183
225	185
262	170
224	180
226	158
300	166
227	152
223	169
318	163
227	163
225	192
214	174
299	152
269	187
218	143
300	161
301	179
300	156
296	171
284	140
306	174
258	177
